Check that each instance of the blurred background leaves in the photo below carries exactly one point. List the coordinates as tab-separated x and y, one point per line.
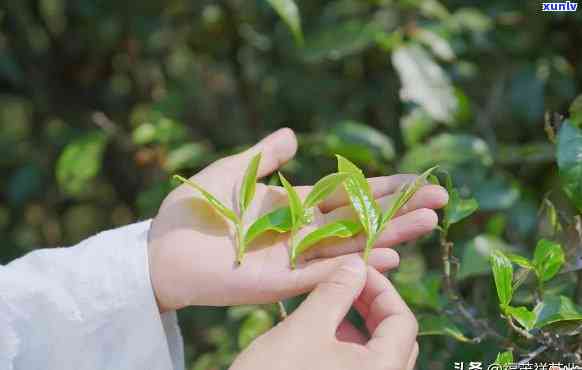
100	101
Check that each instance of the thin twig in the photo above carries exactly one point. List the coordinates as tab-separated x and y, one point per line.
518	330
533	355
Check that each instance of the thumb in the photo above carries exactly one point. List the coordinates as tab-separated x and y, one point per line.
276	148
331	299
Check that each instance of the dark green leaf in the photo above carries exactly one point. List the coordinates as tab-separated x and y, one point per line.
257	323
555	309
278	220
215	203
522	315
295	205
80	162
548	259
569	153
249	183
323	188
440	325
503	276
337	229
289	13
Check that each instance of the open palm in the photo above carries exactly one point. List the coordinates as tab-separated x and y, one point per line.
193	249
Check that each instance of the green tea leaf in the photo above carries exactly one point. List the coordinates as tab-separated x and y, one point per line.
457	209
80	162
295	204
440	325
323	188
278	220
503	276
338	229
520	261
257	323
249	184
289	13
405	195
569	153
360	196
555	309
504	358
215	203
548	259
522	315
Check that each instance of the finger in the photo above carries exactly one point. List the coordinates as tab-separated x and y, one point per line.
402	229
380	187
277	282
413	357
276	149
429	196
347	332
392	325
331	299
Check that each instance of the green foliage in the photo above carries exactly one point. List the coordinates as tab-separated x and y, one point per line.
457	209
211	199
288	11
89	139
278	220
323	188
503	276
295	205
80	162
555	309
548	259
522	315
569	153
337	229
249	183
361	197
257	323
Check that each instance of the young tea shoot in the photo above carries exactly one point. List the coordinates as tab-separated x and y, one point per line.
372	219
246	195
301	213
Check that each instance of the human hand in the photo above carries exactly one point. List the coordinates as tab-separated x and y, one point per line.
192	250
317	336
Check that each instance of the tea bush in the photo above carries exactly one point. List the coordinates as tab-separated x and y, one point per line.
101	102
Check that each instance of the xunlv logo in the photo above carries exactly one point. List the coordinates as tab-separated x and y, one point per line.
559	7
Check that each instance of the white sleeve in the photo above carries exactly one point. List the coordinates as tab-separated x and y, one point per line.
88	307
